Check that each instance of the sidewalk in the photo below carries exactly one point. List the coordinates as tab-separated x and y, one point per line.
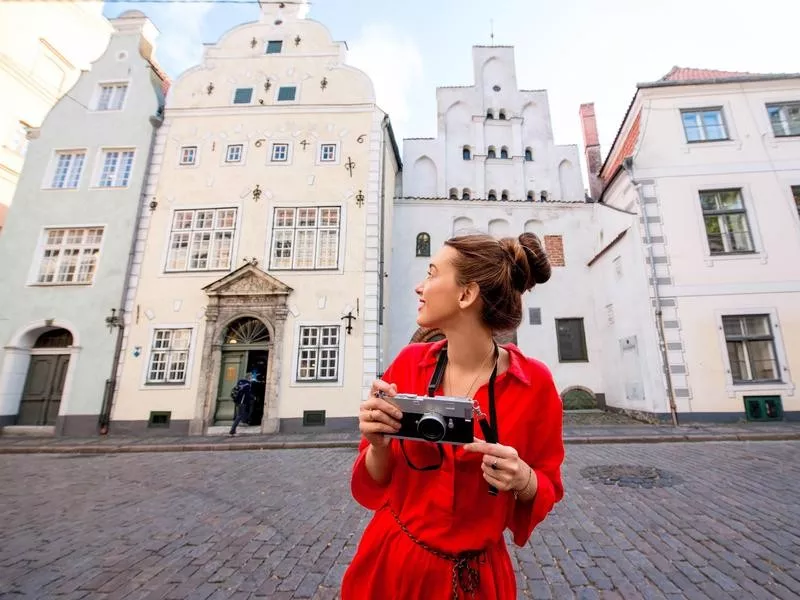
630	432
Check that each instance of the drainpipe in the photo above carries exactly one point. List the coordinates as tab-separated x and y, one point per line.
382	244
111	383
662	345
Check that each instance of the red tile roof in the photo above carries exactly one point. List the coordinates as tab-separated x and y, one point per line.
688	74
625	150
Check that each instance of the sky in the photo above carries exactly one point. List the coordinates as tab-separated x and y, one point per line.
579	50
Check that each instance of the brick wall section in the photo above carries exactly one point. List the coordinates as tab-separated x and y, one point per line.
554	246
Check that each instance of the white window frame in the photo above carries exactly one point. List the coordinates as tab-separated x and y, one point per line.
50	172
252	95
171	231
338	382
287	161
786	386
98	94
294	229
195	159
288	85
41	246
226	154
337	153
704	109
784	122
100	168
146	384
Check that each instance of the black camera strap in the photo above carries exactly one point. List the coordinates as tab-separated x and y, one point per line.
489	429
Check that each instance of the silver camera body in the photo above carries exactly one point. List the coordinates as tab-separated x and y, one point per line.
442	419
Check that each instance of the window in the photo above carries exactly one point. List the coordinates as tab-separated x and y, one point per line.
327	153
796	194
543	196
751	348
465	195
188	155
423	244
453	194
704	125
117	166
535	316
530	197
763	408
489	114
504	196
467	153
111	96
504	152
280	152
274	47
169	355
785	118
726	223
234	153
305	238
502	115
492	153
571	340
201	240
528	155
69	166
287	93
243	96
318	353
70	256
492	195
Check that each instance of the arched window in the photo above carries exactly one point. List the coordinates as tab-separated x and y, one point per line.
492	153
489	114
246	331
543	196
528	154
466	194
467	153
503	152
530	196
504	196
423	244
453	194
492	195
55	338
502	115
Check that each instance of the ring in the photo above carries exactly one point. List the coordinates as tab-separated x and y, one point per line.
494	464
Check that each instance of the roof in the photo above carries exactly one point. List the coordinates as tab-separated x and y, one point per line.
627	147
688	74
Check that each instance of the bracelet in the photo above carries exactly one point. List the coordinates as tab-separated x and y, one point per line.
525	487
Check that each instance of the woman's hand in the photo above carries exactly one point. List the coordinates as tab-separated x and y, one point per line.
378	416
504	469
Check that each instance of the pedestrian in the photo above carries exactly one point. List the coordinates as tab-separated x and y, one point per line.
243	401
437	530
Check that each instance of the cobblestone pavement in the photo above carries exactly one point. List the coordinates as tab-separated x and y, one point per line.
280	524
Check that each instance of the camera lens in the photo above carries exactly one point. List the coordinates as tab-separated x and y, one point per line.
431	427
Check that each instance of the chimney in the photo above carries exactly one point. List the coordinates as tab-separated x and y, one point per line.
594	160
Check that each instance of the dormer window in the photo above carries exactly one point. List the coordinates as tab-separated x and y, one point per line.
492	153
492	196
504	152
504	196
528	154
543	196
453	194
502	115
530	196
490	115
466	194
467	153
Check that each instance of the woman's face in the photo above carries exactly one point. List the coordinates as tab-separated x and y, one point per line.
439	293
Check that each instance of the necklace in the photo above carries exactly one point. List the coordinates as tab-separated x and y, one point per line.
474	381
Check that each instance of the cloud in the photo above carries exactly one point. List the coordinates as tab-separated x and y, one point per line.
394	63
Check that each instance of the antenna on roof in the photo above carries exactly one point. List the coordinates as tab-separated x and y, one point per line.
492	34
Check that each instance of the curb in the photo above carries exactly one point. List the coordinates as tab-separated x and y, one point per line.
222	447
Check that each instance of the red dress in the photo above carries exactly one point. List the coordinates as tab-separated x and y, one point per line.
450	509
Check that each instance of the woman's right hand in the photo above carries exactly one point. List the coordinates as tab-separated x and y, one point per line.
378	416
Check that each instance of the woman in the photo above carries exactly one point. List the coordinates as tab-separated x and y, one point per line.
437	531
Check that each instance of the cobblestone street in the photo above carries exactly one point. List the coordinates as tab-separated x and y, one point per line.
723	522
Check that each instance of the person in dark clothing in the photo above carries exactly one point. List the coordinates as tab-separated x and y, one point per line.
243	400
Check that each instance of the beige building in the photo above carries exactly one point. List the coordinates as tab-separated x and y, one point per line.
696	277
44	46
262	249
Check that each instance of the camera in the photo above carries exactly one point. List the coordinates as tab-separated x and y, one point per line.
444	419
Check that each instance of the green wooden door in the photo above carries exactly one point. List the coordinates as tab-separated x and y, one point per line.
234	365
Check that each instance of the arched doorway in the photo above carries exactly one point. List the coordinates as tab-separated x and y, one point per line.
44	383
245	354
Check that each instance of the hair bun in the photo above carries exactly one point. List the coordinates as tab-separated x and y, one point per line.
529	264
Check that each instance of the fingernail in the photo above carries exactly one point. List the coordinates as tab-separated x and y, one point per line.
398	415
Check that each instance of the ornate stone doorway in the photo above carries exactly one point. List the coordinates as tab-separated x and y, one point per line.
245	321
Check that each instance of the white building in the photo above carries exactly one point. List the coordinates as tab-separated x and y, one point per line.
44	46
705	278
494	167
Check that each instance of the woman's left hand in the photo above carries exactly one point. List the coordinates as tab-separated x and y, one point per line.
502	466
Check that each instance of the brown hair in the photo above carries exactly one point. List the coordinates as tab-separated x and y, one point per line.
503	269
